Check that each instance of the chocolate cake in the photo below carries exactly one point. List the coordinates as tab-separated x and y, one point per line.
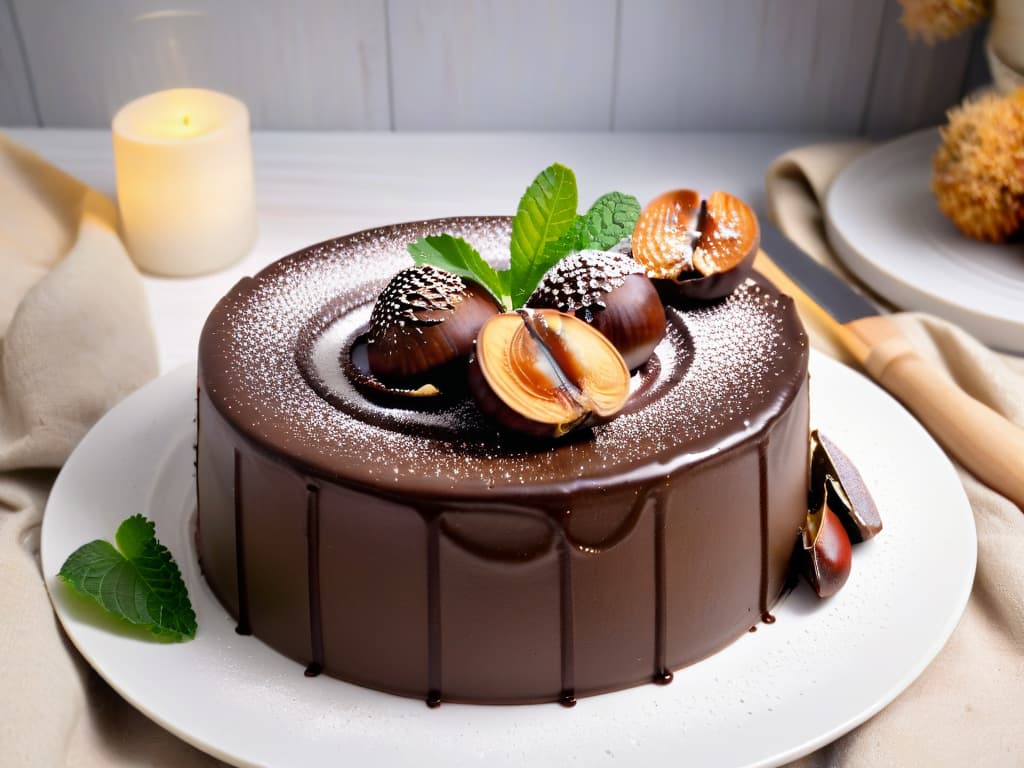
415	548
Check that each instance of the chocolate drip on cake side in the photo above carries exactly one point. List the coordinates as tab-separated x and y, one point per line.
662	674
316	633
243	627
568	696
433	608
762	466
563	548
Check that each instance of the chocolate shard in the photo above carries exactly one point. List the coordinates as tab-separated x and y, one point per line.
847	495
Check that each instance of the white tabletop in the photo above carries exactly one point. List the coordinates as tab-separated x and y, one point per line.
315	186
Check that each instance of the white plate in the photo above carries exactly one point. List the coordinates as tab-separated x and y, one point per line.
773	695
885	225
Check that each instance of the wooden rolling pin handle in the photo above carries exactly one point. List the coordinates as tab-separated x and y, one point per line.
987	444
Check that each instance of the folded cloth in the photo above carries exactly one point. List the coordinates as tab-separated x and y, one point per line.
964	709
75	338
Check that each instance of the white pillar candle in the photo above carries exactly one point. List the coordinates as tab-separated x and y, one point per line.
184	180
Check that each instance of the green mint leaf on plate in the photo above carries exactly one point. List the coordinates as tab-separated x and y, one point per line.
139	581
546	213
610	219
455	255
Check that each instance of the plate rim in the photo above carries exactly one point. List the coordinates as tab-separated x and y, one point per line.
994	329
897	686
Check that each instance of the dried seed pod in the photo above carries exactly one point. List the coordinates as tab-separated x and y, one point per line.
423	326
696	249
846	493
608	290
546	373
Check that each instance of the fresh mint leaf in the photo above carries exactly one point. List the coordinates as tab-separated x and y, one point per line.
610	219
575	239
546	212
545	229
133	535
140	583
455	255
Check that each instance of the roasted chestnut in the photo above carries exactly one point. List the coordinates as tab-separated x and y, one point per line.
546	373
423	326
696	248
827	551
610	291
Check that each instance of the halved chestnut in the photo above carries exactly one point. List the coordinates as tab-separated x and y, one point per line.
610	291
423	326
828	555
847	494
546	373
697	249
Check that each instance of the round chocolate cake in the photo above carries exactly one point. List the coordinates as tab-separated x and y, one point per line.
413	547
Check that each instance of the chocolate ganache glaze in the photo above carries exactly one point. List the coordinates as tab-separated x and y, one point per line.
416	549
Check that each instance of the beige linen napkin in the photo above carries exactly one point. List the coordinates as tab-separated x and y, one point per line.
75	338
965	708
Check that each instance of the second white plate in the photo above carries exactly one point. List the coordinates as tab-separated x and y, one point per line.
773	695
885	225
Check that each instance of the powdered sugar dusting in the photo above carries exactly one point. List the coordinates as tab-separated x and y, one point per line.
738	353
721	367
583	279
413	294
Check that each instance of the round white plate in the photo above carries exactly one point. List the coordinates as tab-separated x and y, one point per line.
821	669
885	225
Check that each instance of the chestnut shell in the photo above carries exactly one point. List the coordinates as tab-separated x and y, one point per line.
847	494
706	288
729	237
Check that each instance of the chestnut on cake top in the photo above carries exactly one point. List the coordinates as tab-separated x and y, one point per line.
423	323
697	248
547	344
609	290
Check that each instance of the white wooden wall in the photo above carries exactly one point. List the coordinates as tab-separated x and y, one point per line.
822	65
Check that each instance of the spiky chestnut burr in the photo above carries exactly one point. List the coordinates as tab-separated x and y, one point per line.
978	169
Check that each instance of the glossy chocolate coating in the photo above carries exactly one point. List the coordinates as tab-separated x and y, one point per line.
427	554
696	287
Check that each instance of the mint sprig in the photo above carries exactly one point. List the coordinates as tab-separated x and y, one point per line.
139	581
545	230
546	212
460	258
610	220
